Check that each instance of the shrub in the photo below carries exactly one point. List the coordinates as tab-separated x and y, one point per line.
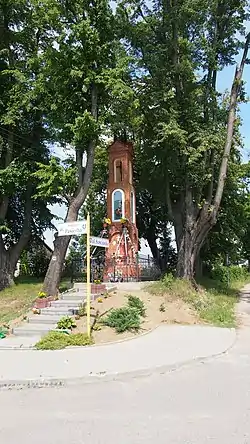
232	273
168	280
66	323
138	304
82	310
122	319
58	340
80	339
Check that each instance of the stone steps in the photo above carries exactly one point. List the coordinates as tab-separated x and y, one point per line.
73	296
33	329
74	303
78	297
54	311
40	325
43	319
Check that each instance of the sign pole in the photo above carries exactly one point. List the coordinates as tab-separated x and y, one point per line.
88	276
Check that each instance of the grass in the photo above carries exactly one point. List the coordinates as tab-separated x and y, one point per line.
214	302
17	300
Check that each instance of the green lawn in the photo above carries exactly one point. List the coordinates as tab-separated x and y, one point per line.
18	300
214	302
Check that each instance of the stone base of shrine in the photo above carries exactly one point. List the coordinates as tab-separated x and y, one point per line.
121	272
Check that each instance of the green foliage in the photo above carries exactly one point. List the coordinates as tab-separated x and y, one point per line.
56	178
59	340
229	274
230	236
214	302
138	304
82	310
168	280
178	49
123	319
34	261
66	323
154	68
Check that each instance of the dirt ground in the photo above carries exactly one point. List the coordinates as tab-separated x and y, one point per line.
176	311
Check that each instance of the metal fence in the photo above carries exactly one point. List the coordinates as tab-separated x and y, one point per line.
144	268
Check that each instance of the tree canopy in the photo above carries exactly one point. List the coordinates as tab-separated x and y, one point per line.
76	73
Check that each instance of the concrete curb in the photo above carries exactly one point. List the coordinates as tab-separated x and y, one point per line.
107	377
119	341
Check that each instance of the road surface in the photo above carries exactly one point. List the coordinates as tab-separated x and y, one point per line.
198	404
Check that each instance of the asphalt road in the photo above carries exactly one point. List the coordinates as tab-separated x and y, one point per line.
203	403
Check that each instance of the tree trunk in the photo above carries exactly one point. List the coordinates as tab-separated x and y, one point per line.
198	223
7	268
188	254
6	274
53	275
186	259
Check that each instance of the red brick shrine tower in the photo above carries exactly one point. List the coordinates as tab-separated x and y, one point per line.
121	256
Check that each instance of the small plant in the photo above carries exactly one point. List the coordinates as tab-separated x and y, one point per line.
97	327
55	340
122	319
168	280
100	300
66	323
97	281
82	310
42	295
138	304
106	295
162	308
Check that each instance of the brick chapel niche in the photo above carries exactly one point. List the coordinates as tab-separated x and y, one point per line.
121	256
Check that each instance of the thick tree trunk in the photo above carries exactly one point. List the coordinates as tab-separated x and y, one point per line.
188	255
6	273
53	275
198	223
8	264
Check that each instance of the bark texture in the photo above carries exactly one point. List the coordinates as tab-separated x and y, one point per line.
53	275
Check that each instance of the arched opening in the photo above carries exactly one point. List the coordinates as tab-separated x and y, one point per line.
118	171
118	202
132	207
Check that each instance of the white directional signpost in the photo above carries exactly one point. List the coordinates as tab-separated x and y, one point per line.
99	242
77	229
72	228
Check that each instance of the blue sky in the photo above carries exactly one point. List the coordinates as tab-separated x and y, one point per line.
224	82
